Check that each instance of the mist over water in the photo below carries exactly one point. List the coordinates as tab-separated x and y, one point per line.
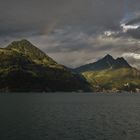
62	116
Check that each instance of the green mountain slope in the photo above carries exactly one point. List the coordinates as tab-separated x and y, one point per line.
127	79
111	74
23	67
24	47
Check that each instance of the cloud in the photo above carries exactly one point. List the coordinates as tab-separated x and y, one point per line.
73	32
129	27
74	47
37	15
132	55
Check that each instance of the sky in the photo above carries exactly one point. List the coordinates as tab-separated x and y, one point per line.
74	32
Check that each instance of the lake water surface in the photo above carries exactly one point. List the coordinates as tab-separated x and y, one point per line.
69	116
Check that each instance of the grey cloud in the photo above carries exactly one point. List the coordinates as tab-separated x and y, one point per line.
19	15
134	62
74	48
70	31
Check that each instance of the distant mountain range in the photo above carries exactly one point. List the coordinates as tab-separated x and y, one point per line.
109	74
108	62
25	68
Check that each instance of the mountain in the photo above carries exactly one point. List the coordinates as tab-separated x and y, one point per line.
122	79
108	62
33	53
24	67
111	74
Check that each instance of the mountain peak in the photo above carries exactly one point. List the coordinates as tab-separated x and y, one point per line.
107	62
23	41
120	61
25	47
21	44
28	49
108	56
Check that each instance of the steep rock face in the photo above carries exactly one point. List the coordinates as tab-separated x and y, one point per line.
24	67
107	62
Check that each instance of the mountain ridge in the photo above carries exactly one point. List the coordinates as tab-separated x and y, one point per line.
24	67
107	62
28	49
109	74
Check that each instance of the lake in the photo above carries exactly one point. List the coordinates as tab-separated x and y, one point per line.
69	116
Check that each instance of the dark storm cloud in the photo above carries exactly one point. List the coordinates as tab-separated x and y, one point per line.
19	15
133	21
73	32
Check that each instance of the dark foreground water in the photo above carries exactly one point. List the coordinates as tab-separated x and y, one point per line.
69	116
